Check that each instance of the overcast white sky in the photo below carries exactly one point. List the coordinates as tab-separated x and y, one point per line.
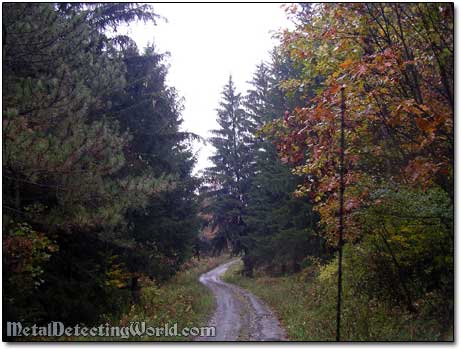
208	42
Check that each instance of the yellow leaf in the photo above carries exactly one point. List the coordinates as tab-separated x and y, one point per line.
346	63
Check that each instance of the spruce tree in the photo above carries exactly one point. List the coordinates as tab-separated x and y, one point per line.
151	112
281	228
228	180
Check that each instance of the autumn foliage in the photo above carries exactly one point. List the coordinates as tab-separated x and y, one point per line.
395	62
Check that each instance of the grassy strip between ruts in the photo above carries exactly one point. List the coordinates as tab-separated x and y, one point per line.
183	300
306	309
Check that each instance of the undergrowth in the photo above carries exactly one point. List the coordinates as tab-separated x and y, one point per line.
306	306
183	300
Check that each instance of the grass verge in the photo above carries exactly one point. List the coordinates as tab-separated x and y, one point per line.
306	304
183	300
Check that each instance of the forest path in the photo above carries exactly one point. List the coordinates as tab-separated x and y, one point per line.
239	315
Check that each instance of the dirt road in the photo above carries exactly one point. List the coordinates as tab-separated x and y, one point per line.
239	315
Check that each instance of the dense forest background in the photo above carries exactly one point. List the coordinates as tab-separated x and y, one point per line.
98	190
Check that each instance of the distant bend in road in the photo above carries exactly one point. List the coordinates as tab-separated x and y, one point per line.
239	315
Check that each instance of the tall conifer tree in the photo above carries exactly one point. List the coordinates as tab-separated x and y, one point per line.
228	179
281	228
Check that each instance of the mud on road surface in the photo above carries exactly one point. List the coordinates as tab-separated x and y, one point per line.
239	315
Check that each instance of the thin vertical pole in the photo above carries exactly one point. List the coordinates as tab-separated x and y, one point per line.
341	223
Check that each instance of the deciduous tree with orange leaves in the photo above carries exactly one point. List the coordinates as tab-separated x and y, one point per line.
395	62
